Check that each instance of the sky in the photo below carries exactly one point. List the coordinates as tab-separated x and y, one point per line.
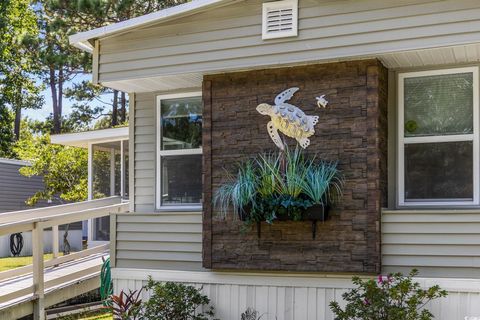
41	114
46	110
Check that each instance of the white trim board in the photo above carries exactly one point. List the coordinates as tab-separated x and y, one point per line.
292	296
236	278
279	279
82	139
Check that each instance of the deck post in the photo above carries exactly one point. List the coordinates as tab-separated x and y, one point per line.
38	269
112	172
90	222
55	241
122	169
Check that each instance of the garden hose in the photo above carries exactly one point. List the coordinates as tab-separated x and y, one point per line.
66	244
16	244
106	285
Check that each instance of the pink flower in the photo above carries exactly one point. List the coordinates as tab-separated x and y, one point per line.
366	302
380	279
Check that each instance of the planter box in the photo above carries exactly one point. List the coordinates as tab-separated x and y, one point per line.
315	213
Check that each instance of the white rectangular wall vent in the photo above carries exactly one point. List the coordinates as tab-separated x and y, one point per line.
280	19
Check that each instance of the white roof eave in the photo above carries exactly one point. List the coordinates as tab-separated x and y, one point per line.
82	40
82	139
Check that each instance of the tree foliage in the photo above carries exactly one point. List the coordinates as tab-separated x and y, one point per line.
6	133
64	169
98	13
35	41
18	62
91	103
93	14
60	62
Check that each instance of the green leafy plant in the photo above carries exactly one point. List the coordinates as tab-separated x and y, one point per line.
279	185
321	181
240	190
394	297
126	306
176	301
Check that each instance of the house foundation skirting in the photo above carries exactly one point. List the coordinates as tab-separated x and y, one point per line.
291	295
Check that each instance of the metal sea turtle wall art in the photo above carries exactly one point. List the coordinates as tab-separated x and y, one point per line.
289	119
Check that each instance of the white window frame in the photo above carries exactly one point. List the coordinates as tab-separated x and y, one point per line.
162	153
91	223
435	139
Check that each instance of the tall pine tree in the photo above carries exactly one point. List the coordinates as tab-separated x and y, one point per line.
60	61
98	13
17	64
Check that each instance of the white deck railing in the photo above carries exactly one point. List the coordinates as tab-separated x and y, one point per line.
37	220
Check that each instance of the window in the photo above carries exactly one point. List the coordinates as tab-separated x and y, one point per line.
280	19
438	137
179	151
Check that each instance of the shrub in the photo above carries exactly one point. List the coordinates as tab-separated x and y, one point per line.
394	297
176	301
126	306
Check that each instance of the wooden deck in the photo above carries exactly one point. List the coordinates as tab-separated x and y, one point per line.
56	277
31	289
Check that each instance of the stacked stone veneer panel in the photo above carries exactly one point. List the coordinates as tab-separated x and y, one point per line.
351	130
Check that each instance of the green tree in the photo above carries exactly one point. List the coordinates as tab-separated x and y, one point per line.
18	27
6	133
60	62
20	92
64	169
90	104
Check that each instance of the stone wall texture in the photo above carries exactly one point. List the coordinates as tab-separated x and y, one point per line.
351	130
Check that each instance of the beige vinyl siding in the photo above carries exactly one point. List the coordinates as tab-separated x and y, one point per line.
439	243
146	239
229	37
144	144
167	240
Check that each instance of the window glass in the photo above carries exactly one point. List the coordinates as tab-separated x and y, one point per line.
181	179
103	184
436	171
181	123
438	105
